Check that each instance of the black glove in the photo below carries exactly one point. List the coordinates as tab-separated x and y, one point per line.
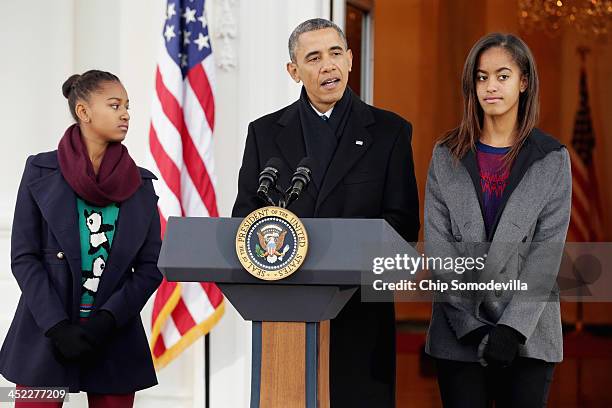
502	346
100	326
70	340
475	336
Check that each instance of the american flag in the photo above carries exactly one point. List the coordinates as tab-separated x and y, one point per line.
585	223
180	141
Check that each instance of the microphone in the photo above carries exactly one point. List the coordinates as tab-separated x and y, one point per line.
268	178
301	178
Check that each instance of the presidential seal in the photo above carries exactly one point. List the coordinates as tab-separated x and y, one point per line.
271	243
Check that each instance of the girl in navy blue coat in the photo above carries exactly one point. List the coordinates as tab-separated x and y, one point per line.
84	249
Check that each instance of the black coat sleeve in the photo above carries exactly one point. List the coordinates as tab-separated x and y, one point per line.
38	291
248	178
401	196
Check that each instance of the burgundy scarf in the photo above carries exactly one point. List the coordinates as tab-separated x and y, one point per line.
118	177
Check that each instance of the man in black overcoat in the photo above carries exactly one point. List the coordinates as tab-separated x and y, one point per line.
363	168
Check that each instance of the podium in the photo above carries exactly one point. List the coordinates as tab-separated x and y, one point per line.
290	343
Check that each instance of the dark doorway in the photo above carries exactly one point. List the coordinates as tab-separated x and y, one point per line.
358	35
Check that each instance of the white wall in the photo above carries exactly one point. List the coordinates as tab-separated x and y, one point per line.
37	53
41	48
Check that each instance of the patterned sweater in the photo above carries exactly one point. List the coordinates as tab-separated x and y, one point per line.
97	227
493	179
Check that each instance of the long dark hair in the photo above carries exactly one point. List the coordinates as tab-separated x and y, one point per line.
463	138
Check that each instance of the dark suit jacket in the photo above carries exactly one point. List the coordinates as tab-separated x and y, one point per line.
370	176
46	223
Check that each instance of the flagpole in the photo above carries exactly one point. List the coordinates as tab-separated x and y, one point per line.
207	370
582	51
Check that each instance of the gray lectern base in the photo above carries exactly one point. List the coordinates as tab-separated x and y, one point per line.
308	303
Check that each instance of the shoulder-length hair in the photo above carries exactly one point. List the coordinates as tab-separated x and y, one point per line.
463	138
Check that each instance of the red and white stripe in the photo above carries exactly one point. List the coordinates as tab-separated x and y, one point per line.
585	223
180	141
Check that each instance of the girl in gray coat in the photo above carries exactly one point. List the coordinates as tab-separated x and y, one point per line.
498	188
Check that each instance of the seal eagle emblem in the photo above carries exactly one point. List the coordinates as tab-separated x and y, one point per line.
271	243
271	239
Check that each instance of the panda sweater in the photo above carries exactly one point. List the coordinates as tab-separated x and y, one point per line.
97	228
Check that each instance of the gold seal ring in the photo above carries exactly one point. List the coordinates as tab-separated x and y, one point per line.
271	243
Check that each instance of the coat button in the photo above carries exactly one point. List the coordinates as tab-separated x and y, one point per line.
60	255
498	293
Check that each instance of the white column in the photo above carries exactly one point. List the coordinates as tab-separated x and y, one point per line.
40	47
37	55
